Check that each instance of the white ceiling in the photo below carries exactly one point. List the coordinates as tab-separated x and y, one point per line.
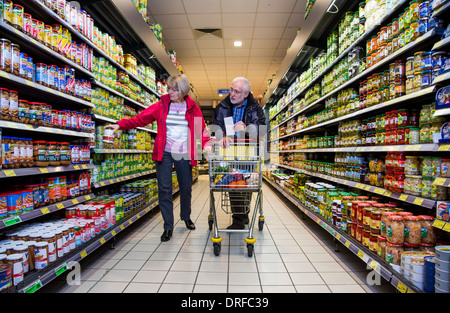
266	27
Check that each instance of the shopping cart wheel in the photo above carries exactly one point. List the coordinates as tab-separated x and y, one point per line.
250	250
210	224
216	247
261	225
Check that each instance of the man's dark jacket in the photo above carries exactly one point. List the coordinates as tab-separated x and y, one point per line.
253	114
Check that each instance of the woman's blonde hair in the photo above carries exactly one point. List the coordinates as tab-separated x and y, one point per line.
179	82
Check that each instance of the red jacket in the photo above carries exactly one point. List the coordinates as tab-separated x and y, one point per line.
159	111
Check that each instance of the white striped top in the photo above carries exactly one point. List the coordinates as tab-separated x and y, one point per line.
177	129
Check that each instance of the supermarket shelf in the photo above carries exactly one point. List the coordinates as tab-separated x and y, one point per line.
111	120
40	6
117	93
412	96
121	151
376	263
442	112
32	44
421	148
442	78
30	171
441	10
121	179
36	213
42	129
360	40
426	203
25	84
35	282
441	44
422	40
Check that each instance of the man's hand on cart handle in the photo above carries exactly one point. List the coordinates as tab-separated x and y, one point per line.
225	141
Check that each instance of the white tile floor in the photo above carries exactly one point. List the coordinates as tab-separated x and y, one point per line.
291	255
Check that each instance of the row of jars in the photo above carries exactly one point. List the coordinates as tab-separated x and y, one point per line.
415	21
61	78
20	152
54	36
46	191
371	222
41	114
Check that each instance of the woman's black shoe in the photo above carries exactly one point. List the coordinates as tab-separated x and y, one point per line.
166	235
190	224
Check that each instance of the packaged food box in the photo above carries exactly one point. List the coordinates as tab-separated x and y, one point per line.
442	211
443	98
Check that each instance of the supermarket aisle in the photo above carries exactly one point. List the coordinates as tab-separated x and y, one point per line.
288	258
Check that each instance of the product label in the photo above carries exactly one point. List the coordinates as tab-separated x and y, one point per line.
40	258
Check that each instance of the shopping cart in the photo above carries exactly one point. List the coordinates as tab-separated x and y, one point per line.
235	174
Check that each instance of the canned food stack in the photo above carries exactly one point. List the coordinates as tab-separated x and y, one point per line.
414	268
442	269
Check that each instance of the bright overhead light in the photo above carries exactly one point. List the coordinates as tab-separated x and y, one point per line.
238	43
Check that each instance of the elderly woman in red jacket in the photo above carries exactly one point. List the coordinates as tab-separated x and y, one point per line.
180	123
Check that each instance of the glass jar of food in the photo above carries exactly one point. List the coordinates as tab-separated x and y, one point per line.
385	222
40	153
412	165
381	246
425	133
445	163
414	135
4	103
427	166
435	166
425	78
413	229
428	230
24	111
393	253
418	61
395	230
409	84
426	187
425	113
399	161
399	70
5	55
416	185
400	88
65	153
409	66
13	105
15	59
54	154
407	187
438	193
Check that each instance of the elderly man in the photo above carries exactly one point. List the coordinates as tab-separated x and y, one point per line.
247	116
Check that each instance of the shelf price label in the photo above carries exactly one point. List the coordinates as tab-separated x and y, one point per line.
418	201
444	148
439	181
34	287
401	287
9	173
